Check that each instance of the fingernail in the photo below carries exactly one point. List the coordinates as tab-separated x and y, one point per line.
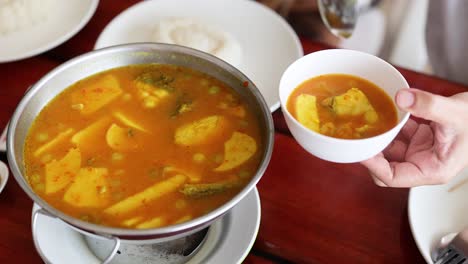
405	99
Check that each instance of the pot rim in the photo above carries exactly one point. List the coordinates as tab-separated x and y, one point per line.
126	233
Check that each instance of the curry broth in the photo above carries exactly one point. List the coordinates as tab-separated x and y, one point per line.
328	86
153	155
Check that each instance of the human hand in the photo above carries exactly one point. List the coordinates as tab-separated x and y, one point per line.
425	154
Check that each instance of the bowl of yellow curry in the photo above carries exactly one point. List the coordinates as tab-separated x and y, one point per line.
140	141
338	104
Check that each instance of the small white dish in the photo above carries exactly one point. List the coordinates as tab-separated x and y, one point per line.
341	61
228	240
65	20
3	175
268	43
437	210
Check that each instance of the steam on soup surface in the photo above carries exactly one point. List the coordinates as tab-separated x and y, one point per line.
342	106
142	147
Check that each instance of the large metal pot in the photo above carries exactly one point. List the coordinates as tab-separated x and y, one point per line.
96	61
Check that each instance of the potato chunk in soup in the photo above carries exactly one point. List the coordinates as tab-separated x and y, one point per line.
143	146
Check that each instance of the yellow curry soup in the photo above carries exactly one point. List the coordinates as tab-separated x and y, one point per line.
342	106
142	147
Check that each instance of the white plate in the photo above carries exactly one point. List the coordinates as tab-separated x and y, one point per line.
228	240
268	43
435	211
67	18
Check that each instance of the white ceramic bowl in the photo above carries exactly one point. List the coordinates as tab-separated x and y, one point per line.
350	62
3	175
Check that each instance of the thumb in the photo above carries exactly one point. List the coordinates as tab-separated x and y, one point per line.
425	105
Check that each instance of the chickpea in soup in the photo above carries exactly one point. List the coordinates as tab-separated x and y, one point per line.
142	146
342	106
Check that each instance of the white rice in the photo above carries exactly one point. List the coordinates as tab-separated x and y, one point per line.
198	35
17	15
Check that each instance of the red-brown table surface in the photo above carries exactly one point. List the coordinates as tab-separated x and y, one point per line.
313	211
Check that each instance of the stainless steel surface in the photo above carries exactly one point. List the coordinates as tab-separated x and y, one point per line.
93	62
340	16
228	240
456	252
175	251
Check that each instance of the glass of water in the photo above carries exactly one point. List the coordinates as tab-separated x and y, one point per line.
340	16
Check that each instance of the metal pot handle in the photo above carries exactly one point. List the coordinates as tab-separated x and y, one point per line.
116	240
114	249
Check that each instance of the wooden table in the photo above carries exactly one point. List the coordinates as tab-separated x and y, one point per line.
312	211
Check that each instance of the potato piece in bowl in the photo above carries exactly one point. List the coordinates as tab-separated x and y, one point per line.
352	103
86	138
126	120
237	150
151	193
94	97
58	139
306	111
119	138
200	131
89	188
59	173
